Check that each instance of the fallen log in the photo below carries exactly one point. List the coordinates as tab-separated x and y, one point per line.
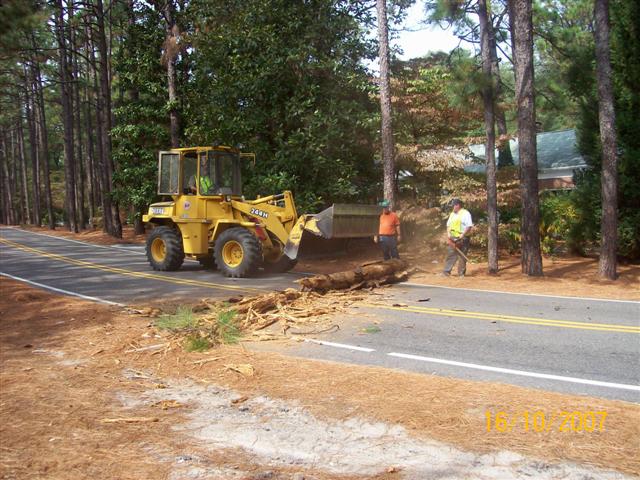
265	303
365	276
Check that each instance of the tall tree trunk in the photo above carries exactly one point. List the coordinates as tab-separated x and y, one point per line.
607	118
101	173
25	178
44	146
169	58
67	118
13	177
104	97
505	158
8	200
486	31
522	28
79	167
388	147
89	169
92	169
33	145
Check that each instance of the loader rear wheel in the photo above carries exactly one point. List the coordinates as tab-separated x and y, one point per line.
282	265
238	252
164	249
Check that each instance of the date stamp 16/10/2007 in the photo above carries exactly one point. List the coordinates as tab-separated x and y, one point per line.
540	421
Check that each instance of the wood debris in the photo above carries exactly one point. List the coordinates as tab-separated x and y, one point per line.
309	311
245	369
130	420
369	275
167	404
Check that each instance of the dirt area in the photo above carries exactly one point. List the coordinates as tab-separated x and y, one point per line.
88	391
568	276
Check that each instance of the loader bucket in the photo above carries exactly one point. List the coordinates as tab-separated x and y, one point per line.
349	221
338	221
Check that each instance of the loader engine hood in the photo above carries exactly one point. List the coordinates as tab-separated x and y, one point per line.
160	210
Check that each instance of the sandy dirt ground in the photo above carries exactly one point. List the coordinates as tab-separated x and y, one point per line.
567	276
88	391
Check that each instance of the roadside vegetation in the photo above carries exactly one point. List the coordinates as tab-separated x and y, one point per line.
200	332
93	91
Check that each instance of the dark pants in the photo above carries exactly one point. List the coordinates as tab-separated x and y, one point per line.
389	244
453	256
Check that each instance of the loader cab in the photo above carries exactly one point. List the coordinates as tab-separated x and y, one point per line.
201	171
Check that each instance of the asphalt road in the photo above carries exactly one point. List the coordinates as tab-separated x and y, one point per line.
571	345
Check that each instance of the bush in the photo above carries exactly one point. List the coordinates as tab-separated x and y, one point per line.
558	215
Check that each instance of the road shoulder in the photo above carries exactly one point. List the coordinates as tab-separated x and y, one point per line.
74	354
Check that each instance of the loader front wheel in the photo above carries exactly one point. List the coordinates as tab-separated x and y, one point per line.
238	252
164	249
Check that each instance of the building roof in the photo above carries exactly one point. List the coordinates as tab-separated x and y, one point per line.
556	151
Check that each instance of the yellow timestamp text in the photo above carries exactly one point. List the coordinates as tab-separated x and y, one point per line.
540	421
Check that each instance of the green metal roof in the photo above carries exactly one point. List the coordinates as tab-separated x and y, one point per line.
555	150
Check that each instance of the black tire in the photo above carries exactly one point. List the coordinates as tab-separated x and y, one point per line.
232	241
282	265
164	249
208	262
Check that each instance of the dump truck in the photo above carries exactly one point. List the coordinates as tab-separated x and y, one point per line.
208	218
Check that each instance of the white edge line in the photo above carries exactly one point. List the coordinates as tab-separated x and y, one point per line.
413	284
621	386
59	290
339	345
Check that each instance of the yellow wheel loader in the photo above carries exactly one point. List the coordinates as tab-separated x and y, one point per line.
208	218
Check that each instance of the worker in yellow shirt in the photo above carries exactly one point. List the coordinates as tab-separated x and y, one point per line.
388	232
459	226
206	184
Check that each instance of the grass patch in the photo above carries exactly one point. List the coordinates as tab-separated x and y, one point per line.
183	318
372	329
228	331
196	343
200	333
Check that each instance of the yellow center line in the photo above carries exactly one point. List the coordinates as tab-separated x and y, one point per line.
511	318
130	273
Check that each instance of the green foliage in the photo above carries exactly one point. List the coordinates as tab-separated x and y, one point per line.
286	81
371	329
141	121
228	331
558	216
182	319
196	343
625	57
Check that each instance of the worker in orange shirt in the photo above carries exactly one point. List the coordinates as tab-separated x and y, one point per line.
389	231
